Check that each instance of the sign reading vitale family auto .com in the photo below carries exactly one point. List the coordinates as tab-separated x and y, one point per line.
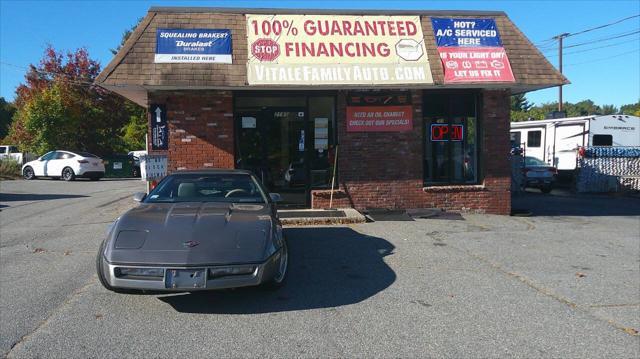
336	50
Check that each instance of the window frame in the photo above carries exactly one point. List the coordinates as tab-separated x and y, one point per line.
426	126
610	136
539	132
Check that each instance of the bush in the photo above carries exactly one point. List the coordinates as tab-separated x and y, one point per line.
9	168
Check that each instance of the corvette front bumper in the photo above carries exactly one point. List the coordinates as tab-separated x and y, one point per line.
264	272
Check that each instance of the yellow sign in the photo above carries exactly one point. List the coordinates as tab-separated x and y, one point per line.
336	50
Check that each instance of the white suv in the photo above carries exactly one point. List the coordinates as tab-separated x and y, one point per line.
66	165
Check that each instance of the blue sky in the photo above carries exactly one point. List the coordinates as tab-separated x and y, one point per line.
607	75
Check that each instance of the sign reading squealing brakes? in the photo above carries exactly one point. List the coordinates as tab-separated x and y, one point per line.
334	49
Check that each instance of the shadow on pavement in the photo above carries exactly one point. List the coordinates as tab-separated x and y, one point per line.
329	267
565	203
14	197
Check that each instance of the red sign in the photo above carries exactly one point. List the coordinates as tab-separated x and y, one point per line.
447	133
379	118
475	64
265	49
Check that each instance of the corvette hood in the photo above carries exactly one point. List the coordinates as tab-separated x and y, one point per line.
191	233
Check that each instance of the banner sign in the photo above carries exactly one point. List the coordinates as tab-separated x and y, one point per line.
466	32
379	118
336	50
440	133
159	130
193	46
471	51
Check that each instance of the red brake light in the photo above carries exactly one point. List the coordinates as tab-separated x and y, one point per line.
83	161
553	170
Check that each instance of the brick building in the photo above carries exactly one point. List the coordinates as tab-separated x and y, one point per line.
414	104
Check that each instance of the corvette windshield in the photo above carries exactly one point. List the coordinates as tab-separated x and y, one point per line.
233	188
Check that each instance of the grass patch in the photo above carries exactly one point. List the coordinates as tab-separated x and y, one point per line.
9	169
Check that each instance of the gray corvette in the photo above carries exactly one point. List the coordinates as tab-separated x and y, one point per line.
197	230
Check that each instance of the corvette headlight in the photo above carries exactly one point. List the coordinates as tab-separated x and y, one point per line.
127	272
229	271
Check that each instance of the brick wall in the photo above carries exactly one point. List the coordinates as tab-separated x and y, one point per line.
377	169
384	170
200	128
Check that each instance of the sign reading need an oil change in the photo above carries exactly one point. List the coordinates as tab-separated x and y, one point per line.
471	51
336	50
193	46
379	118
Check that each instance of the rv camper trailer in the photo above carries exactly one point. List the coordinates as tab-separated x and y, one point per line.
555	141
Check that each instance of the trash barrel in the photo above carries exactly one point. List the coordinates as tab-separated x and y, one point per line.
118	166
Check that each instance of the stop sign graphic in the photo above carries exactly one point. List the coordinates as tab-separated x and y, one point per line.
265	49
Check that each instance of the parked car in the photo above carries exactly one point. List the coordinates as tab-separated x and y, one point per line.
8	151
196	230
66	165
538	174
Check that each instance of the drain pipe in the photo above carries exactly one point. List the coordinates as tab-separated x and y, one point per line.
333	177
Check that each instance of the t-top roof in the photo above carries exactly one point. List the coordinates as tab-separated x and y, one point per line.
133	72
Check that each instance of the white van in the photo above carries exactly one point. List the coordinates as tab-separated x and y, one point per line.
555	141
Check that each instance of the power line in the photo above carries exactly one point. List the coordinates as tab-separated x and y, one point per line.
593	48
601	39
594	28
605	25
604	58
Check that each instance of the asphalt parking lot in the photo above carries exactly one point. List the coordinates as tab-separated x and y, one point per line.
564	282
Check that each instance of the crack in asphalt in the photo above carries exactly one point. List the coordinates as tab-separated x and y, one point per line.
546	291
17	344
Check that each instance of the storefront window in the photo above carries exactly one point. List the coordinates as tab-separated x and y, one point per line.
451	149
321	126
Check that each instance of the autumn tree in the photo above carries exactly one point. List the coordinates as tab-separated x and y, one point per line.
58	107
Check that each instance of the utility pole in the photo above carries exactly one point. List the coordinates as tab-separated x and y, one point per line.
560	38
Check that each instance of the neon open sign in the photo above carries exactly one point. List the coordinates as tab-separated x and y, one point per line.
447	132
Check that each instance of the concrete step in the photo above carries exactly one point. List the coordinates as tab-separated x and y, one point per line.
315	217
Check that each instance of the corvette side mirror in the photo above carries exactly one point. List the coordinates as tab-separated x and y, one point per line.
275	197
139	196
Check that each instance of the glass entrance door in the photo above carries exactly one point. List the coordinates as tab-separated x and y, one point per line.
273	144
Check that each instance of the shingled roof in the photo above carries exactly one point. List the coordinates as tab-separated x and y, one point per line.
132	72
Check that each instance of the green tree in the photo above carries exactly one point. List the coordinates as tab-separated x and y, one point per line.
608	110
133	133
125	36
7	109
519	103
631	109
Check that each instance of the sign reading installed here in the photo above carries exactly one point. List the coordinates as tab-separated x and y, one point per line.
159	130
379	118
193	46
336	50
471	51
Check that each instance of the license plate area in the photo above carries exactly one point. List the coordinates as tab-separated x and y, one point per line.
185	278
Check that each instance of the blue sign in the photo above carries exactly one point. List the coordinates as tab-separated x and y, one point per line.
466	32
159	129
193	46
